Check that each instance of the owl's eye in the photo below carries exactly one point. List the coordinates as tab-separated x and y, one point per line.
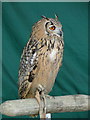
52	28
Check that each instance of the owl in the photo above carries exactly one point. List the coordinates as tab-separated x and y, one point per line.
41	59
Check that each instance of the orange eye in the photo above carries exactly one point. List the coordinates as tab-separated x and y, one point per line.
52	28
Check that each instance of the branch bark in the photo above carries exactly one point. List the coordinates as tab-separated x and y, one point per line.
70	103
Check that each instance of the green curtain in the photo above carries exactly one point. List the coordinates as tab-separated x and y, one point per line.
17	21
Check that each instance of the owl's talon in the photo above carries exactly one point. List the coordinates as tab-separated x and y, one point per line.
48	96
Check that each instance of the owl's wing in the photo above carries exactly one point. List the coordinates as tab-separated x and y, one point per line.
28	64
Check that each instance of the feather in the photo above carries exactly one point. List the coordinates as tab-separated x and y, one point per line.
28	64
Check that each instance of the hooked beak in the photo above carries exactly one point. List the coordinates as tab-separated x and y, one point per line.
60	33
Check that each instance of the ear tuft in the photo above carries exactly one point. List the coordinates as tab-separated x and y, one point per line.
44	17
56	17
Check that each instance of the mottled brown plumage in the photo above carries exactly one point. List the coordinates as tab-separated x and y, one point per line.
41	58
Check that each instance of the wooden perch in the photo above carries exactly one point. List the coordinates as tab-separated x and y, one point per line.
70	103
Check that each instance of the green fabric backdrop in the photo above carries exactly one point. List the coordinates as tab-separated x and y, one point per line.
18	18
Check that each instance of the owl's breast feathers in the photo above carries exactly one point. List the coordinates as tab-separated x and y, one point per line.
39	64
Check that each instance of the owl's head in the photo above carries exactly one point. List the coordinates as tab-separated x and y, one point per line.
53	26
47	27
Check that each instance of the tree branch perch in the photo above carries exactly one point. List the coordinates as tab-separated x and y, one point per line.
70	103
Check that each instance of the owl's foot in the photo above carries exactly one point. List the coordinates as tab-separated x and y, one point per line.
50	97
40	96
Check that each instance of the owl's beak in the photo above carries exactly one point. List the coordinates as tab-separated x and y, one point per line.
60	33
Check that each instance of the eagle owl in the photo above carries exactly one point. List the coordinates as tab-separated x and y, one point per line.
41	58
